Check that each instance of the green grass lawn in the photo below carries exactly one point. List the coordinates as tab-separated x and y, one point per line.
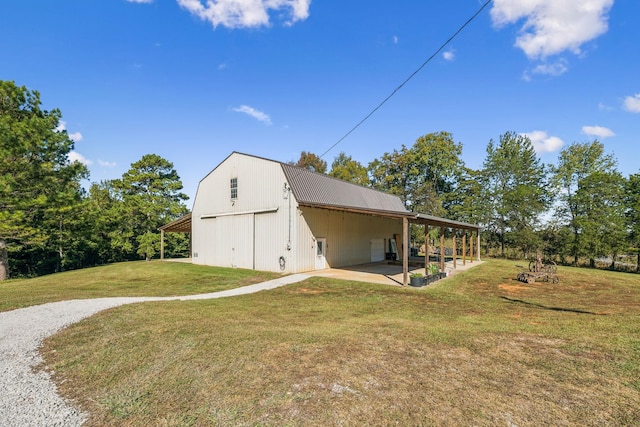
125	279
476	349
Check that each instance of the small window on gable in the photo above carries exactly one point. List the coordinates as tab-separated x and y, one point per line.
234	188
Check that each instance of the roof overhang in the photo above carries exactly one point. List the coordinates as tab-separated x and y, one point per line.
362	211
442	222
180	225
412	217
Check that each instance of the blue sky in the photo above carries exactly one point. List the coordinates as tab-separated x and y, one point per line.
193	80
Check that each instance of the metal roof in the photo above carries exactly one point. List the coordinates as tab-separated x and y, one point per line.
323	191
316	189
180	225
442	222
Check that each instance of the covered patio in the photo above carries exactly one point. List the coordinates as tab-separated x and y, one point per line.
383	272
464	238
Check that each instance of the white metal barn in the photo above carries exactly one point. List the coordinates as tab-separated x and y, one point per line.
255	213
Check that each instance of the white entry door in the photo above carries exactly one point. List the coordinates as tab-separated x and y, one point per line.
321	253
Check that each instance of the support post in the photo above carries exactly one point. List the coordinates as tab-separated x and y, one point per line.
464	247
405	251
426	249
454	238
161	244
441	248
478	245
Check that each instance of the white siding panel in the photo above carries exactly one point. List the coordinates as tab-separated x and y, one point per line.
242	241
271	243
224	241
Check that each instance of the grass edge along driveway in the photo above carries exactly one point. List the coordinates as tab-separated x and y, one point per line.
126	279
479	348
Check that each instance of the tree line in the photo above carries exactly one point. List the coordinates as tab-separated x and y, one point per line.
49	222
581	209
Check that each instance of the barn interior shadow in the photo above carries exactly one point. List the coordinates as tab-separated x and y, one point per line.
544	307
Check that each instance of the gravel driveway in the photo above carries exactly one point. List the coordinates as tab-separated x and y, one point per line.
29	397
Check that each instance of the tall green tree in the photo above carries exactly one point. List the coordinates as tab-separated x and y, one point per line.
576	163
347	169
436	158
311	161
600	218
38	184
424	176
632	214
148	196
392	172
469	204
514	185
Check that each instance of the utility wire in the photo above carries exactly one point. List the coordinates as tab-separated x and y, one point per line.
408	78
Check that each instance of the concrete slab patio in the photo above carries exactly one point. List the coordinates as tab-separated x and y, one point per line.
383	272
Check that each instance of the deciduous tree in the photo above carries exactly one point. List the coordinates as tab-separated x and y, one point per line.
311	161
632	207
347	169
575	164
514	185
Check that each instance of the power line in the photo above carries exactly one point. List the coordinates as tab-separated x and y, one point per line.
449	40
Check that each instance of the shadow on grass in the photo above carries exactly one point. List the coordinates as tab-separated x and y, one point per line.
568	310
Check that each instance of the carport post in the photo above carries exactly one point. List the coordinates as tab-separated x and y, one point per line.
455	248
478	244
464	247
161	244
405	251
426	249
441	248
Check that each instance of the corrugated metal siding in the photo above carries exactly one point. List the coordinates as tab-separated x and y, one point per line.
316	188
229	241
348	236
242	241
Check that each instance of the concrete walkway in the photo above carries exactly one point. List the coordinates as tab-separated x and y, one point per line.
29	397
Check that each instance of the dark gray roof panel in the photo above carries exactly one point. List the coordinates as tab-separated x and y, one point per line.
323	190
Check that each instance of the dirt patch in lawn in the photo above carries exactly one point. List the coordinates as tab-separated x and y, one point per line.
515	289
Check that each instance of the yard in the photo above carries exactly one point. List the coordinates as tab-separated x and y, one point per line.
478	349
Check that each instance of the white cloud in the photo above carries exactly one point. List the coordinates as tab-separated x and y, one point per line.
551	27
256	114
246	13
62	126
604	107
632	103
76	136
449	55
543	143
140	1
395	39
598	131
549	69
74	156
107	164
